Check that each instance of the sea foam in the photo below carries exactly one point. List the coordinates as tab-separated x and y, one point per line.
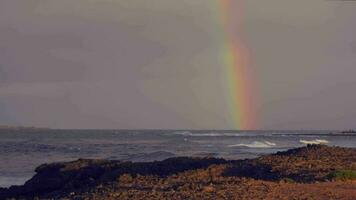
255	144
316	141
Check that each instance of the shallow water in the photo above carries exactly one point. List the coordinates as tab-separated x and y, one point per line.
21	152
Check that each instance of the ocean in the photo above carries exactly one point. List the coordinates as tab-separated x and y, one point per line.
21	151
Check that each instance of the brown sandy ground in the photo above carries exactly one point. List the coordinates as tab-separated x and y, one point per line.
209	184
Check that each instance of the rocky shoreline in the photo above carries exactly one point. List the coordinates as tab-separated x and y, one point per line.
311	172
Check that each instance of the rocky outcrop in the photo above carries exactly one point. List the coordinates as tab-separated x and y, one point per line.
300	173
307	164
84	174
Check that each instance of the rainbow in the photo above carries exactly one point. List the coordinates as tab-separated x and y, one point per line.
237	74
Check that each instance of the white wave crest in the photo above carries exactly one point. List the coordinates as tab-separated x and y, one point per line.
255	144
316	141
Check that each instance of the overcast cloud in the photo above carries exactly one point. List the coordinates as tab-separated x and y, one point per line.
153	64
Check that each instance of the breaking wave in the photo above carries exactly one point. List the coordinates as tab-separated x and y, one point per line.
255	144
316	141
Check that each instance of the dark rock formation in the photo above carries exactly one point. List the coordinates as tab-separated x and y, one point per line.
85	174
271	176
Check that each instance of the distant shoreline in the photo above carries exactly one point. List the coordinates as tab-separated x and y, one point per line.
6	127
277	132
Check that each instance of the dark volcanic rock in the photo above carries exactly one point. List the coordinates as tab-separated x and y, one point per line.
84	174
196	178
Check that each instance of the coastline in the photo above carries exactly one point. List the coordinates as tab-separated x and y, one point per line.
302	173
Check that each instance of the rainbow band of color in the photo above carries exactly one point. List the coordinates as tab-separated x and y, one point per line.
236	68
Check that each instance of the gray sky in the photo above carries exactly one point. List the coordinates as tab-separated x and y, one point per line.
153	64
